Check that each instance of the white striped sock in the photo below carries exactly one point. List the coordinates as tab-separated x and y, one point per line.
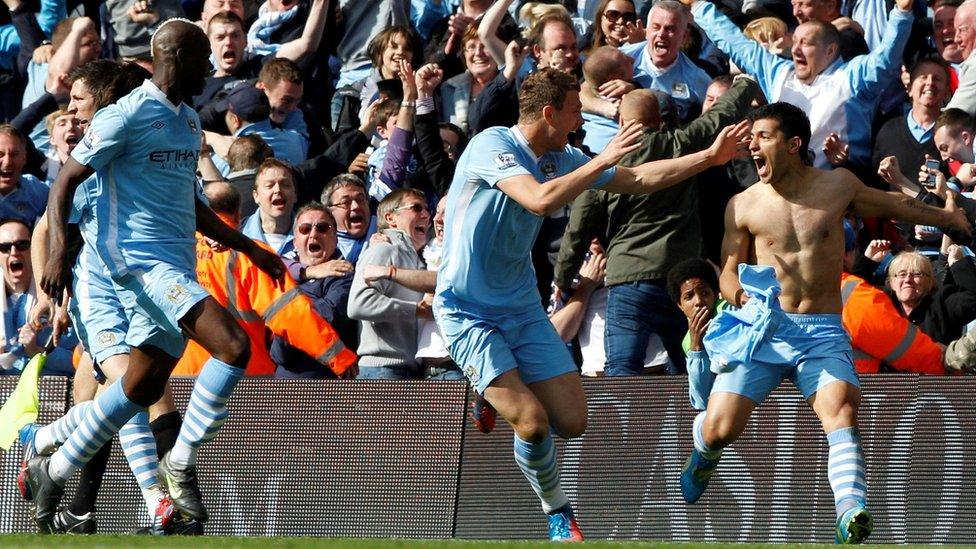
538	463
55	433
845	469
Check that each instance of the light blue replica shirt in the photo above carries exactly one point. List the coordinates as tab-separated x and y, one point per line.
488	236
840	99
599	131
684	81
26	202
144	151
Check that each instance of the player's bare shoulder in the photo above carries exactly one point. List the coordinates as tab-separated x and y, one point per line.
839	184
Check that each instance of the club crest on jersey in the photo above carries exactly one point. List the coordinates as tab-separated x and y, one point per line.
177	293
505	161
548	170
472	374
106	338
192	124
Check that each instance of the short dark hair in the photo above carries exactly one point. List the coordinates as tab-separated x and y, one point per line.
12	131
247	152
278	69
128	76
931	60
226	17
387	108
547	86
339	181
687	270
793	122
98	76
828	31
955	120
272	164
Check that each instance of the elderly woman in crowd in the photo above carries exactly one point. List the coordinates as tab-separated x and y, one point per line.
940	310
459	92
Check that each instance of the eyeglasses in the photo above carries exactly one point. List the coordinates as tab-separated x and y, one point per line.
902	275
416	207
346	203
322	227
21	245
614	15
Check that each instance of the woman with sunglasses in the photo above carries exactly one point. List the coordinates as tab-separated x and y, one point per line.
616	23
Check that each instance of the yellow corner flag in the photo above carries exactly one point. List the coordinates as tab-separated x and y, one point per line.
24	403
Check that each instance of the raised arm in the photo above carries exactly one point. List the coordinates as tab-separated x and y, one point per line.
311	37
870	202
488	30
661	174
736	248
545	199
747	54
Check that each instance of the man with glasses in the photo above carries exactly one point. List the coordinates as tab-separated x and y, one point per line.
346	198
325	278
965	23
18	339
260	305
389	311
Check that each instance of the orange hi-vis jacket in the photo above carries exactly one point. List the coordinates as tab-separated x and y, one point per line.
880	334
258	303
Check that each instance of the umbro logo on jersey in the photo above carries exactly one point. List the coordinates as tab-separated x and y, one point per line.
193	125
158	125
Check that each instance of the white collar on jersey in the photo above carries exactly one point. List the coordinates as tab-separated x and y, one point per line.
150	88
524	143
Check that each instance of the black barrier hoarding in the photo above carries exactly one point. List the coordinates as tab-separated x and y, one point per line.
395	459
770	487
312	458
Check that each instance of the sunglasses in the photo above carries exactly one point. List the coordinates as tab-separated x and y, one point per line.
321	226
417	208
21	245
614	15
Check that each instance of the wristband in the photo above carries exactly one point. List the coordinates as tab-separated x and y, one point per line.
408	104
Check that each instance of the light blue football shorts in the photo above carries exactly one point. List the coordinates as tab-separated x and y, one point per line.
96	312
811	350
485	348
156	296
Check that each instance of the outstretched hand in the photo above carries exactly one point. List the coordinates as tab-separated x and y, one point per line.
835	149
730	143
628	139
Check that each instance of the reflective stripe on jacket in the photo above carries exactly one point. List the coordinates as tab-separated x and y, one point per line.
879	333
258	304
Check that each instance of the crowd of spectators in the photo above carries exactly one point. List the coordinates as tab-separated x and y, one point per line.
332	128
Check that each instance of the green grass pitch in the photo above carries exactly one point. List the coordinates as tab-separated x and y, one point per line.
113	541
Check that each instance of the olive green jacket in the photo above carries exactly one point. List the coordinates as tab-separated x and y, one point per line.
649	234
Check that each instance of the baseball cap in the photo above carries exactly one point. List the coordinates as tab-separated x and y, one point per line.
247	102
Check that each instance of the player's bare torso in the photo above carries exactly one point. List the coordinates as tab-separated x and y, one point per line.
796	227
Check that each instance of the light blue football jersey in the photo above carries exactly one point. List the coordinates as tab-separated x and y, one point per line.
488	235
144	152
